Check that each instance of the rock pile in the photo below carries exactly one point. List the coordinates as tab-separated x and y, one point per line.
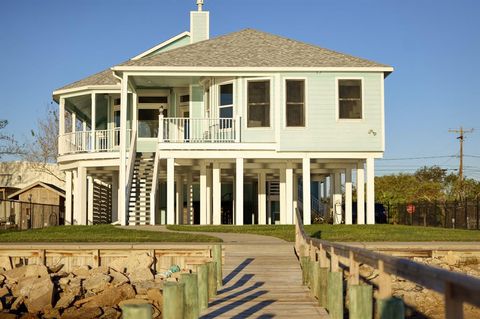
35	291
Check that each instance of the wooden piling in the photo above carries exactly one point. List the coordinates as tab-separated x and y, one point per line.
217	257
335	294
202	277
173	300
390	308
360	301
322	286
315	279
310	267
212	279
304	264
191	310
137	311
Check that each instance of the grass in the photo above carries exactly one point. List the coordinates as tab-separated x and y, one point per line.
98	233
347	233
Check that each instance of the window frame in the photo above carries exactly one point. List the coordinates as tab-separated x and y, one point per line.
337	98
219	98
271	87
305	103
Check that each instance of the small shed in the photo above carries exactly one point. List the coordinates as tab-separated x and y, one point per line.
38	205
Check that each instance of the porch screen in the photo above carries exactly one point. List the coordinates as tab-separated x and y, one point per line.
295	103
258	104
148	122
350	99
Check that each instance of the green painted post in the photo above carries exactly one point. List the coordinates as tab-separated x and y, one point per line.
390	308
360	301
335	295
304	264
322	286
212	279
173	300
311	266
217	257
315	279
202	276
191	310
137	311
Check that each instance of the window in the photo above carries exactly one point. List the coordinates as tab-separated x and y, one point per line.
295	97
258	104
226	105
184	98
350	99
153	99
148	122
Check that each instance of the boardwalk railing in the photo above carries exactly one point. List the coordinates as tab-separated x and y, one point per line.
322	264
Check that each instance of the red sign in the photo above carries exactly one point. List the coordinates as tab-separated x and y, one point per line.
410	208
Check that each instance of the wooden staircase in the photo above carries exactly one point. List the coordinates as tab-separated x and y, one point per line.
141	186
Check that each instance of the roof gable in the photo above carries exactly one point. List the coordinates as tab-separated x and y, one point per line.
51	187
252	48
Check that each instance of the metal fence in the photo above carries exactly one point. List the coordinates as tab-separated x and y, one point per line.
26	215
457	214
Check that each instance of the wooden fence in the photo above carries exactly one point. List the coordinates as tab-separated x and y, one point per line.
331	257
94	255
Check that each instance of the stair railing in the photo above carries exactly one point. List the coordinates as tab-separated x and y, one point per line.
153	193
130	165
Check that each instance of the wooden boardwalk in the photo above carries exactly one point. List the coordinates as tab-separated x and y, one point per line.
262	279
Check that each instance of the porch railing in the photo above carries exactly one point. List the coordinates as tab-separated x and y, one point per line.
199	130
90	141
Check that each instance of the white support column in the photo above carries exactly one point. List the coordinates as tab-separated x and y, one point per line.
295	197
307	209
61	128
170	191
360	193
68	198
262	199
337	199
324	187
93	122
348	196
217	194
179	199
370	191
283	195
239	192
80	212
331	191
89	200
209	196
203	193
189	198
74	122
115	196
122	181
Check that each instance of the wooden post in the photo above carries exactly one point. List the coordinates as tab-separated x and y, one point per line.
360	301
41	256
335	295
453	306
315	279
334	260
323	286
304	262
387	307
96	258
202	277
212	279
137	311
173	300
354	270
217	257
323	257
191	310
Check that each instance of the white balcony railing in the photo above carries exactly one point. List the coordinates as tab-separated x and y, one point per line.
199	130
90	141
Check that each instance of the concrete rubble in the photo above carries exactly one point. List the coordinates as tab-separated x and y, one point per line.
35	291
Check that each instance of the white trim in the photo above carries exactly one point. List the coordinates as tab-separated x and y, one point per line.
266	154
382	106
337	96
161	45
79	90
252	69
218	98
272	102
284	104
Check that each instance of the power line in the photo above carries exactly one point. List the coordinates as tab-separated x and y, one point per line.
417	158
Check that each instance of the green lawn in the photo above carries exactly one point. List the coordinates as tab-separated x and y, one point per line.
352	233
98	233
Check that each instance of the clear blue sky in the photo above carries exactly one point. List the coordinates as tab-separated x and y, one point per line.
434	46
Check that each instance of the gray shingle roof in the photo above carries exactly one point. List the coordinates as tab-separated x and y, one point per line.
245	48
252	48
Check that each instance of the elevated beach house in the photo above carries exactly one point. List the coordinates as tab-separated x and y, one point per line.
244	128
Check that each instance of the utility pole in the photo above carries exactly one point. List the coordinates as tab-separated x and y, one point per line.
461	137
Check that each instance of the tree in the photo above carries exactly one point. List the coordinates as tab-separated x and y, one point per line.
8	144
43	149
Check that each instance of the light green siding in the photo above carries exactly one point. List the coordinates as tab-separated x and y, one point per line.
324	132
175	44
196	101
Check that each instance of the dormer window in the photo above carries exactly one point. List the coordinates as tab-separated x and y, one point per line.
349	99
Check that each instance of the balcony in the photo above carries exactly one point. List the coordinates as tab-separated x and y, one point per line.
199	130
90	141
